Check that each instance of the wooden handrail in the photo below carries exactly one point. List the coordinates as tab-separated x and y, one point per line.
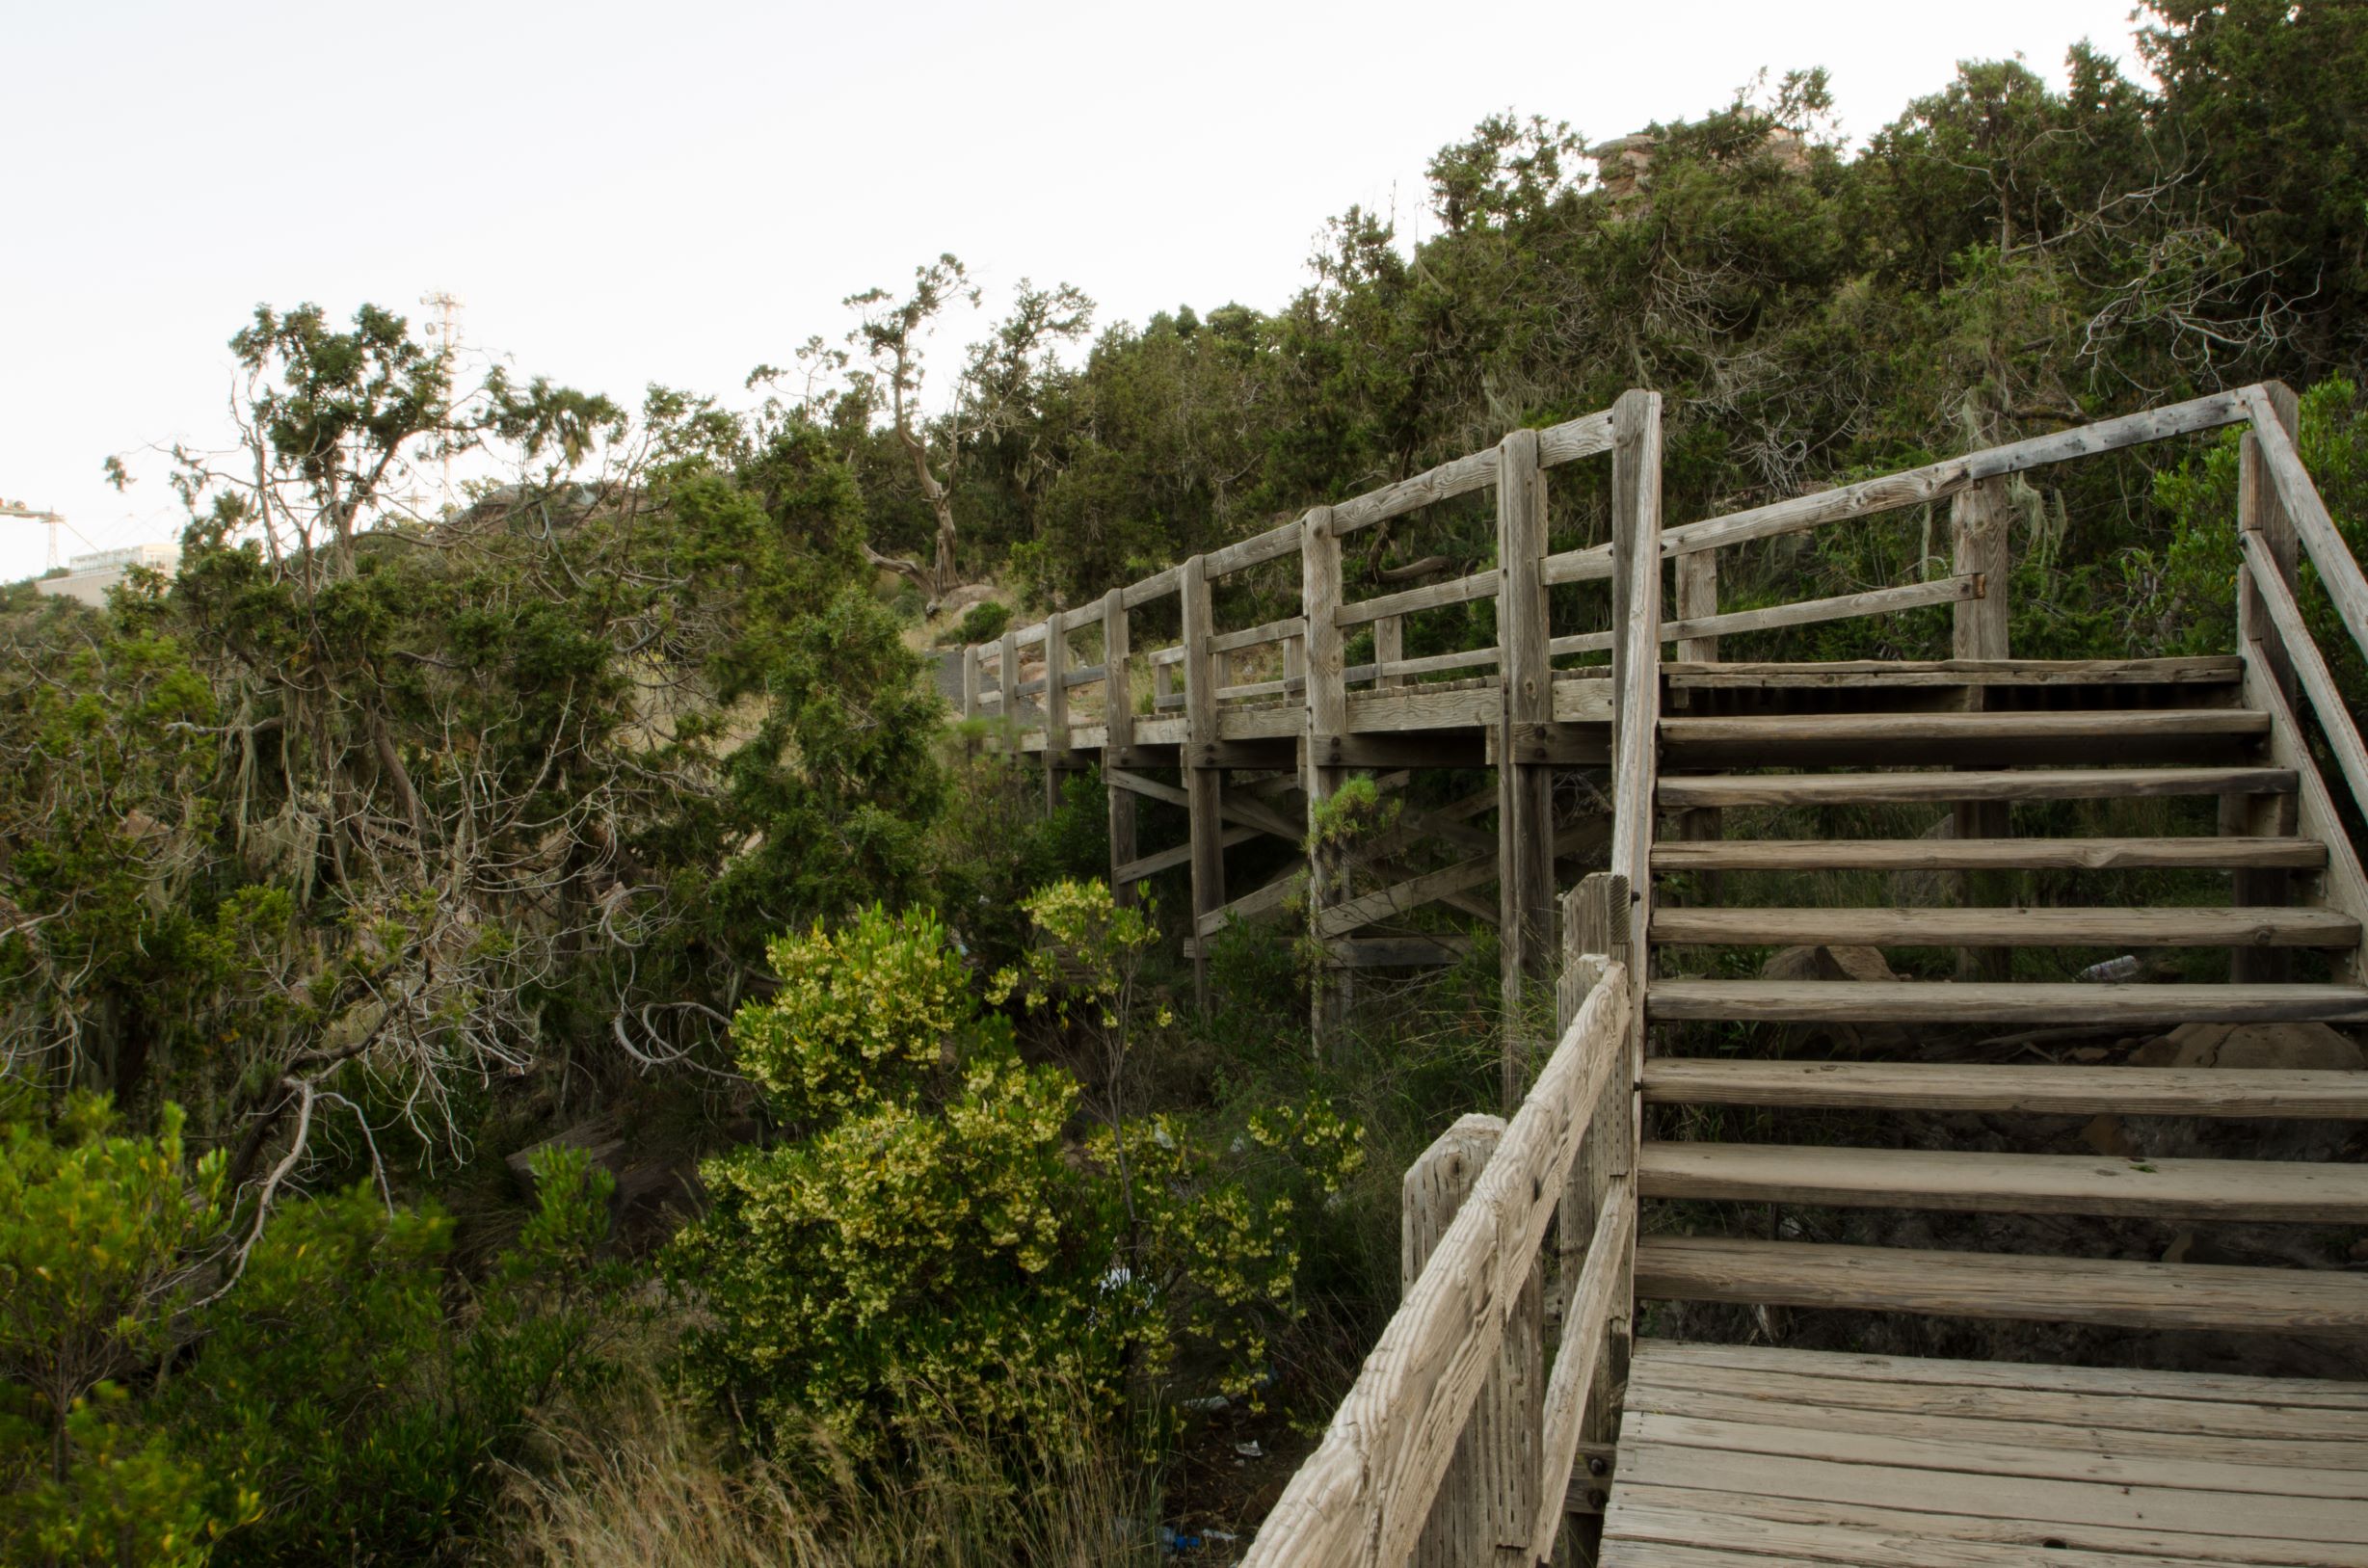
1363	1496
2338	573
2318	681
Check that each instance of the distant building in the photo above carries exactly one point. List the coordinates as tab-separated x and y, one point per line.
87	577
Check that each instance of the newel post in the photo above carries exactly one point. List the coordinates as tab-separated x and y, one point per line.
1487	1503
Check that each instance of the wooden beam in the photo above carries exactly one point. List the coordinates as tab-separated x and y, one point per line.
1056	709
1204	784
1524	818
1118	734
1806	612
1635	674
1325	717
1429	597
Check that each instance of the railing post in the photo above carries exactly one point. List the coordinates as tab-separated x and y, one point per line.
1594	917
1118	737
1007	679
1979	528
1326	697
1635	650
2259	511
1055	707
1389	647
1697	598
1204	779
1525	818
1487	1503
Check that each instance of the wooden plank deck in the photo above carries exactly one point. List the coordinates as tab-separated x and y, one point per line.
1747	1457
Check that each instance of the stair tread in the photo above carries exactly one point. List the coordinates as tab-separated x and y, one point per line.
2105	1292
1953	1087
1979	854
1916	1001
1980	1182
1914	729
1682	791
2172	926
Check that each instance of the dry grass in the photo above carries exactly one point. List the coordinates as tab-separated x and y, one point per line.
636	1480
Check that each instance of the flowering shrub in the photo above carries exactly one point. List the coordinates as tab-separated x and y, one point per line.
941	1234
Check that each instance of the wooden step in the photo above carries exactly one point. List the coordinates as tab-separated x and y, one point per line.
2297	1191
1678	792
2047	1091
2094	734
2107	1292
1992	1003
2197	853
2170	927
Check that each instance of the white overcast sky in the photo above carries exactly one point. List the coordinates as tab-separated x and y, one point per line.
675	192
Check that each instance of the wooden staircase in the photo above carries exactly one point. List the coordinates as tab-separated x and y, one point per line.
1878	754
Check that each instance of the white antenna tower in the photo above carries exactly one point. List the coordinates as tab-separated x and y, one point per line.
445	330
18	509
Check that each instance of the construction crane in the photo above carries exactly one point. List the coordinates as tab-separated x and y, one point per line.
18	509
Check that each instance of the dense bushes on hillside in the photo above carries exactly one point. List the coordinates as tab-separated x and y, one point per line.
374	849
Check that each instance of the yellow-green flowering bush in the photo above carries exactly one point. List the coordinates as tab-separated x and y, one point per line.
949	1228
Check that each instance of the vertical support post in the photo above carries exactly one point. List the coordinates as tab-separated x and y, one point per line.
1204	779
1697	596
1327	693
1055	707
1477	1519
1389	647
1525	816
1979	522
1007	681
969	680
1162	682
1636	653
1118	737
1594	923
2259	511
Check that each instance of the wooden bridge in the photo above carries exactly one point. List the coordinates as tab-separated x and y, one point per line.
1645	810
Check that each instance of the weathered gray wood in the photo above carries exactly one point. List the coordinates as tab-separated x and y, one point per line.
1363	1494
2299	502
2217	669
1946	477
2050	1091
2342	885
1007	675
1525	816
1325	718
1574	438
2309	667
1978	525
1595	934
1118	736
1993	1285
1055	710
1273	631
1988	854
1807	612
2316	1192
970	681
2179	926
1697	601
1389	650
1597	1307
1636	674
1937	1375
1341	919
1435	1188
1205	785
1910	1001
1429	597
1158	585
2120	734
1397	669
1446	482
1272	545
2055	783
